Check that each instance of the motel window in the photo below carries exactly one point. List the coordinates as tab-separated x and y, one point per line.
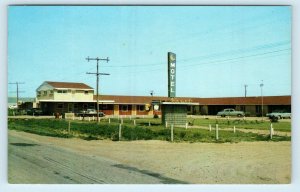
124	107
61	91
104	106
91	105
85	106
60	105
86	92
45	92
141	107
76	106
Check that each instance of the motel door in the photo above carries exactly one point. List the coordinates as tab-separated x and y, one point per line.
71	107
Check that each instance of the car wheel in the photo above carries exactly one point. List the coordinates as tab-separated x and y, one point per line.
239	115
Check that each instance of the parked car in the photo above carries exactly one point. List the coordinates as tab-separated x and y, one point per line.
34	111
279	115
89	112
230	112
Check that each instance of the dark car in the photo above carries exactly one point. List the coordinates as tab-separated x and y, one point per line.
34	111
90	113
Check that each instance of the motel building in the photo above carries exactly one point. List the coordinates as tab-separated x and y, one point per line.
68	97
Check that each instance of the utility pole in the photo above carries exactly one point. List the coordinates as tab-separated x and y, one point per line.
97	81
262	98
17	83
245	90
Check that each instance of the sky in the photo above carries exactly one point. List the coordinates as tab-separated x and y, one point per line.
219	49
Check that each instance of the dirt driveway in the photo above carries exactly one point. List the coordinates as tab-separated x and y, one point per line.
209	163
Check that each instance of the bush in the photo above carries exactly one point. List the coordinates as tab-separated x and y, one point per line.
155	116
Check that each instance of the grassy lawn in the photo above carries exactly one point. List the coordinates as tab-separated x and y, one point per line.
142	130
246	124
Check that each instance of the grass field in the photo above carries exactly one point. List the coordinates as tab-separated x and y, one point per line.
245	124
142	130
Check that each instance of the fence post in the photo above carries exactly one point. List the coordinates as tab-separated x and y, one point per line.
166	124
271	131
149	124
120	131
186	125
172	134
93	118
217	132
234	128
89	119
69	127
209	127
109	120
134	122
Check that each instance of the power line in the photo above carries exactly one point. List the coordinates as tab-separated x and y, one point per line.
237	51
186	67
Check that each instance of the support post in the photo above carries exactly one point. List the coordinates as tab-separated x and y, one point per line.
217	132
172	133
120	131
271	131
69	127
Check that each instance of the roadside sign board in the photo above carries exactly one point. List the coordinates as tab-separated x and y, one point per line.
171	74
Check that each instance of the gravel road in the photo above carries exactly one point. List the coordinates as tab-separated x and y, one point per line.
41	159
35	162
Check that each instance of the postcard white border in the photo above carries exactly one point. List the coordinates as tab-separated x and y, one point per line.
295	186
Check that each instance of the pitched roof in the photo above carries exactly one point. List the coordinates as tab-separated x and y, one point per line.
69	85
267	100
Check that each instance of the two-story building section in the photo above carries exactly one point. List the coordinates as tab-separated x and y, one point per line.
64	97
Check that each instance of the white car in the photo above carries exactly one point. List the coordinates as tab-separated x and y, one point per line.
279	115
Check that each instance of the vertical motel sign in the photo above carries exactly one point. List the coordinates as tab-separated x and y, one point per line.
171	74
